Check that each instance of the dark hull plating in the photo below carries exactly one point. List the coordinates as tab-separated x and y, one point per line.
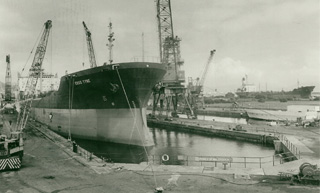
105	103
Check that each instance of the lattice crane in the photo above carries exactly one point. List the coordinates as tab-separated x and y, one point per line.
195	88
7	95
169	47
203	76
92	57
34	74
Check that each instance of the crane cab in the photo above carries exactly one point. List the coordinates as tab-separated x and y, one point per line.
11	151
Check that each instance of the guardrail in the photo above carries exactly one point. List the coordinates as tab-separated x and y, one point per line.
216	161
290	146
145	59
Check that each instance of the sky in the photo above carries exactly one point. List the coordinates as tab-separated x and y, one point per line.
274	42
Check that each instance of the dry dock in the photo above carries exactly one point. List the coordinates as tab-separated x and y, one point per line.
49	165
299	140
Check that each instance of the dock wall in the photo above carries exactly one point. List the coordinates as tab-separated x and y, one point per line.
227	113
210	131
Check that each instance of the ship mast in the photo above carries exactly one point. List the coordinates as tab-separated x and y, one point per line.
110	44
142	37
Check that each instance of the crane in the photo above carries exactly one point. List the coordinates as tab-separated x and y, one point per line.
200	82
7	95
169	47
92	57
196	89
34	74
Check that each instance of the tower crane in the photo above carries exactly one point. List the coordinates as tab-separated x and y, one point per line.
7	95
92	57
34	74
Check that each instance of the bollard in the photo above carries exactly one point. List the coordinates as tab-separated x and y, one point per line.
225	165
90	157
273	159
75	147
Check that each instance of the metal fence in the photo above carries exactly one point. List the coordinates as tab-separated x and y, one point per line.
290	146
145	59
220	161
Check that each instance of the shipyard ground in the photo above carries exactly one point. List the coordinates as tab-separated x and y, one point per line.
48	167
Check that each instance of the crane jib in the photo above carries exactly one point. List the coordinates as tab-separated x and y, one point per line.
34	73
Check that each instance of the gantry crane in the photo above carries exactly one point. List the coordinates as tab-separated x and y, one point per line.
34	74
92	57
169	47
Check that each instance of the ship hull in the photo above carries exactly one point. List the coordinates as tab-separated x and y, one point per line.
109	125
269	115
302	92
105	103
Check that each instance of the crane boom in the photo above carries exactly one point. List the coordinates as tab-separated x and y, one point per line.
36	67
206	68
34	73
92	57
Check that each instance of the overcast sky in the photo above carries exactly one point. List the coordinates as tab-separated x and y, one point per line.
275	42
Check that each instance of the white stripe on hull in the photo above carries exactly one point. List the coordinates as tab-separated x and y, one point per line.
110	125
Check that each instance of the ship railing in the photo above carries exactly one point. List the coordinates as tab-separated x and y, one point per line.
145	59
222	161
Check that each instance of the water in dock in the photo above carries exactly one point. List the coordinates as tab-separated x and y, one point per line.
174	144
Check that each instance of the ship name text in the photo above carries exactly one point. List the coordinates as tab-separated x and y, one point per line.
85	81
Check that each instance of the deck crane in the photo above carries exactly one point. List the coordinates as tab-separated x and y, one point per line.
92	57
169	47
34	74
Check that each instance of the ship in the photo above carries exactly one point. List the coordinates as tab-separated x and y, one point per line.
304	91
248	90
293	113
301	92
105	103
271	115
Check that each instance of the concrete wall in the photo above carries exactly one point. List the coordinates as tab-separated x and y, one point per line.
236	135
